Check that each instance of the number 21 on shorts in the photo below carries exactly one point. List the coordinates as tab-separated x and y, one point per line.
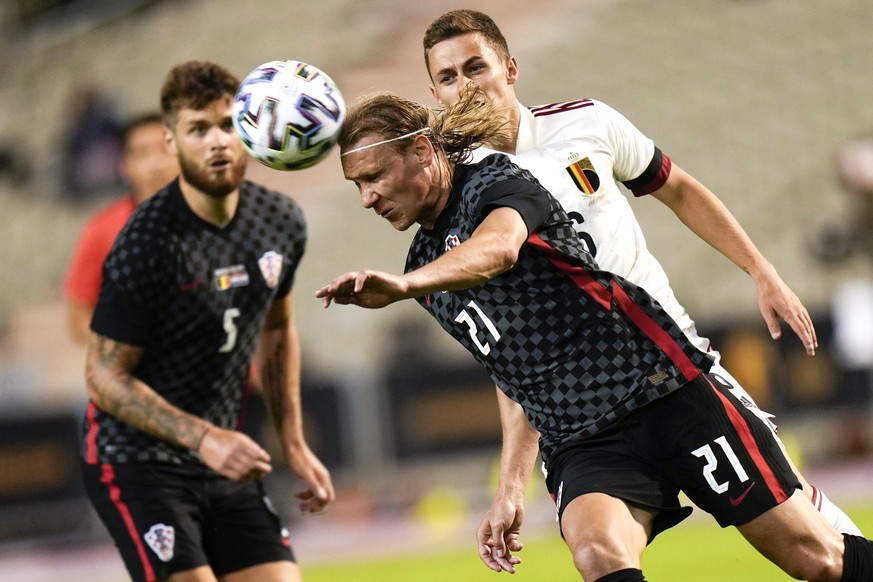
707	454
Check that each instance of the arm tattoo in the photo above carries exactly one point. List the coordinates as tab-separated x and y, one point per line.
275	378
118	393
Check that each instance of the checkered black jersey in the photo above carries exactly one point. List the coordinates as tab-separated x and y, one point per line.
578	348
194	297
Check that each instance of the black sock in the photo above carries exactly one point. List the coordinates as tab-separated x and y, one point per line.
627	575
857	559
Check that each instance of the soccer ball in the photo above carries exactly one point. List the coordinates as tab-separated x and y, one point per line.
288	114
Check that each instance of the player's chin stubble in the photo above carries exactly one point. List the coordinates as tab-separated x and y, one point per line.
209	184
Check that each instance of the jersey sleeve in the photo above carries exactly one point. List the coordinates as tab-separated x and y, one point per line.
297	247
127	297
515	188
653	177
637	163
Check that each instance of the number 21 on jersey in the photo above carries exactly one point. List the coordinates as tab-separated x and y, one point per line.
469	319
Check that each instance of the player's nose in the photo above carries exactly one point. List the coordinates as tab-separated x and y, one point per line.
220	139
368	196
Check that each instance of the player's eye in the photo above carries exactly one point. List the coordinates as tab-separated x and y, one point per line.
446	79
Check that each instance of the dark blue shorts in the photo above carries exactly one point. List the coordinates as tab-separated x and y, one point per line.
168	518
699	440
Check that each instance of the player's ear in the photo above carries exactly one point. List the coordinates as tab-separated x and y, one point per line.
423	149
436	97
170	140
511	71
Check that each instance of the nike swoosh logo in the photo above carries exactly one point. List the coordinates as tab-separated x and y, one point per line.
734	501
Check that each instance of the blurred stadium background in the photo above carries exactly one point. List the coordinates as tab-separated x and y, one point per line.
753	97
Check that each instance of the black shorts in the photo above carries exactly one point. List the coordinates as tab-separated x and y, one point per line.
699	440
168	518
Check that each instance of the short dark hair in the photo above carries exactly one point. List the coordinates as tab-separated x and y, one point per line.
195	85
134	123
458	22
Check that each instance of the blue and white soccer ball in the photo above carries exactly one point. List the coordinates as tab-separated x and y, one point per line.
288	114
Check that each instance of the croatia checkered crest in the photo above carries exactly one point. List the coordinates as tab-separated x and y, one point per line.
288	114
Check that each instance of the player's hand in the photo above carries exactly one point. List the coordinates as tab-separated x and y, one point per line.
776	301
498	535
371	289
319	492
234	454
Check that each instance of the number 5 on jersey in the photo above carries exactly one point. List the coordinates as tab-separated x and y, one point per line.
229	329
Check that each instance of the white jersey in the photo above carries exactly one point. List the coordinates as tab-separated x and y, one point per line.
579	151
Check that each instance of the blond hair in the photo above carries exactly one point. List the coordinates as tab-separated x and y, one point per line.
455	131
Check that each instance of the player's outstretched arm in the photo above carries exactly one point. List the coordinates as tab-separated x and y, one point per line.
491	249
499	532
705	215
112	387
279	365
777	301
370	289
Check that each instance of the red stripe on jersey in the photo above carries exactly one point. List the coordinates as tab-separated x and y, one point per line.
553	108
745	434
108	479
661	338
604	297
91	436
577	274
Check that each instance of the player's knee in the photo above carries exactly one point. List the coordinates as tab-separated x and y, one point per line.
821	565
593	558
829	569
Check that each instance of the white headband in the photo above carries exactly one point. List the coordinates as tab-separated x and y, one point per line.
372	145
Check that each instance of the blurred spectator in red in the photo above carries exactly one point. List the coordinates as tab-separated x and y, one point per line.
147	166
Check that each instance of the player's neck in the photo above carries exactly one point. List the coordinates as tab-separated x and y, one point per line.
441	193
504	145
217	210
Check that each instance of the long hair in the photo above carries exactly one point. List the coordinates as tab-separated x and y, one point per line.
384	115
456	131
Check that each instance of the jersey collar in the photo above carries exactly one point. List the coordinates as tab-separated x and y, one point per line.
526	132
